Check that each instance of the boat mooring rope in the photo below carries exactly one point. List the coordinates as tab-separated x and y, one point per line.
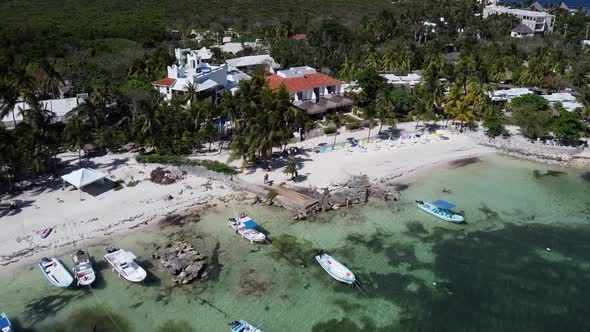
105	310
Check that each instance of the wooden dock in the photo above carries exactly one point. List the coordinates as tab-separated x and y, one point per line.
297	202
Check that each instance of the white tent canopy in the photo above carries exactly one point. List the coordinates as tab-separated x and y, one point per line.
83	177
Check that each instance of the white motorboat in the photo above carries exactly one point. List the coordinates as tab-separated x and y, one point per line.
123	262
335	269
83	271
55	272
246	227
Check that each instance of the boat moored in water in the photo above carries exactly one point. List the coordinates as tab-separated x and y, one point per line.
83	271
442	210
243	326
123	262
246	227
55	272
5	325
335	269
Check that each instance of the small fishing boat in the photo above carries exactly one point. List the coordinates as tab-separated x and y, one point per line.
335	269
246	227
442	210
83	271
55	272
123	262
243	326
5	325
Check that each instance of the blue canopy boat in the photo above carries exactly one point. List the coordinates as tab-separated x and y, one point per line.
335	269
5	325
243	326
442	210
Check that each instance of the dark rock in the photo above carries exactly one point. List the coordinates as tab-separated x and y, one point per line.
182	261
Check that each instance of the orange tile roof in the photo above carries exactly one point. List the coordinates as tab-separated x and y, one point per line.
165	82
307	82
299	36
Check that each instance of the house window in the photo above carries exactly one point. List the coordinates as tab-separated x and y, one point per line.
331	89
167	90
300	95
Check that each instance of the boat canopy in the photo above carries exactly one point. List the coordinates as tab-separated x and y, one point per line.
444	204
250	224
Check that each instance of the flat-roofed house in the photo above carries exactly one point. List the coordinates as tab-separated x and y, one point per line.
540	23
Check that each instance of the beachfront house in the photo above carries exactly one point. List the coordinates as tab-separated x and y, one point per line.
540	23
506	95
193	67
313	92
59	108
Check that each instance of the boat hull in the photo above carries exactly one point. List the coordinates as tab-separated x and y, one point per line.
336	269
251	235
5	324
121	260
445	215
243	326
56	273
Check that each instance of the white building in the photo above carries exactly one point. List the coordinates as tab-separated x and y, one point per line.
410	81
192	67
248	63
539	22
567	100
59	108
508	94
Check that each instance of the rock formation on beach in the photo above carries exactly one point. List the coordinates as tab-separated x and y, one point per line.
182	261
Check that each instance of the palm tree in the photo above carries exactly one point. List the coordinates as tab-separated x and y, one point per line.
372	61
76	134
16	83
337	121
38	118
389	60
385	107
291	168
53	76
148	122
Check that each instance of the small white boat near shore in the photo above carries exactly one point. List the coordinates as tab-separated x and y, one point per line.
243	326
442	210
335	269
83	271
246	227
55	272
123	262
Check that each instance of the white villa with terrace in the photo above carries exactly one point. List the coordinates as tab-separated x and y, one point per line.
313	92
193	67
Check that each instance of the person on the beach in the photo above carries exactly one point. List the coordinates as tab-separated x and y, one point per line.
266	178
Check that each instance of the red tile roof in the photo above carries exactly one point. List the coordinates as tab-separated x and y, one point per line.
299	36
165	82
307	82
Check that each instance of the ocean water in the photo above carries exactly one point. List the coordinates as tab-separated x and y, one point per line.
569	3
521	263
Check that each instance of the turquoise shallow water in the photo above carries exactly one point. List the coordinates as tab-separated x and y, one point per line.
421	274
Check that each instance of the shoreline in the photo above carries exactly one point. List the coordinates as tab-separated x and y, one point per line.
116	213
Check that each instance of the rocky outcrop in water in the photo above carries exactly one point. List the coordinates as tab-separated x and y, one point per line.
182	261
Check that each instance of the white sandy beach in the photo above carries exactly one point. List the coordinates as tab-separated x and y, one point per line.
95	217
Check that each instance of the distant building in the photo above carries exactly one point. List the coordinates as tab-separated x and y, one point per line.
522	31
567	100
507	94
313	92
586	43
409	81
247	64
59	107
537	7
539	22
192	67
